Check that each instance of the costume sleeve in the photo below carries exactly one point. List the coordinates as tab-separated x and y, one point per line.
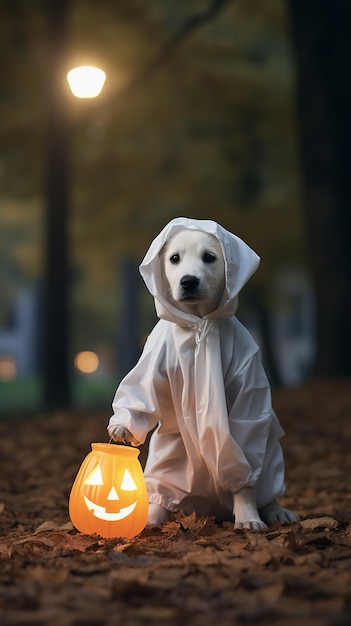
138	398
253	423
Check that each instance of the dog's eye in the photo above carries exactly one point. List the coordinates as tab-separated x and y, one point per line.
208	257
175	258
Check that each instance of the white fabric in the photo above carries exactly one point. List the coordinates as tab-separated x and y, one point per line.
201	382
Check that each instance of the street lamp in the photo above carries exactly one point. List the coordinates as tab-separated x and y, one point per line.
86	81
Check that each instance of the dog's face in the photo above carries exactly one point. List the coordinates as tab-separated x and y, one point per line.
193	266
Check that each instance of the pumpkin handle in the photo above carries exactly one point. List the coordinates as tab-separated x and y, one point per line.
118	443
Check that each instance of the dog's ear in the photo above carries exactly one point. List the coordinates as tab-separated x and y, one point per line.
163	250
162	256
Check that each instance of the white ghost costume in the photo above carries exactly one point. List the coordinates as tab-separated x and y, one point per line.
202	383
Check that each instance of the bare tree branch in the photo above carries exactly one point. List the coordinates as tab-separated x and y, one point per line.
186	28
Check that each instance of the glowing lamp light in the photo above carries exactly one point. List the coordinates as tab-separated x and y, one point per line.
86	362
109	495
86	81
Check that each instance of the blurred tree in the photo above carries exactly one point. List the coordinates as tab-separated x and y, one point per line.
323	52
55	320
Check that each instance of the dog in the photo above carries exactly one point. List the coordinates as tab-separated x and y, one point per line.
193	266
188	376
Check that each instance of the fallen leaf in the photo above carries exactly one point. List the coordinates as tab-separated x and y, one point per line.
53	526
319	522
5	550
203	557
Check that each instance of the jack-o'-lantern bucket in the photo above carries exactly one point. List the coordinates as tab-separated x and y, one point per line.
109	495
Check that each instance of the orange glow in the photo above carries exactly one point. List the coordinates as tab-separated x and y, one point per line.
109	495
86	362
8	369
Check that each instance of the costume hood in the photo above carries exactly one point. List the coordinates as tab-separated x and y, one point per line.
240	263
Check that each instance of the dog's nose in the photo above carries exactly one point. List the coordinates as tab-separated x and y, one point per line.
189	283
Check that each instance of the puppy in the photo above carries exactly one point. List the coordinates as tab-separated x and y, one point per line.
201	381
193	265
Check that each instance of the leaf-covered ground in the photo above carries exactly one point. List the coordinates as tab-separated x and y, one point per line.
193	570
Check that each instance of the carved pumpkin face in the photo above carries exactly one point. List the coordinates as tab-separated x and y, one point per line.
109	495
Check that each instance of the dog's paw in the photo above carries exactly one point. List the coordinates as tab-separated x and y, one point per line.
250	525
274	512
121	434
157	515
245	511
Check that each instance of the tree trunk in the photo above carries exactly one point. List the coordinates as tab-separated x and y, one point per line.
55	315
322	48
128	346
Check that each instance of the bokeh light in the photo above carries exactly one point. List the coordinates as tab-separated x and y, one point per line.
86	362
8	369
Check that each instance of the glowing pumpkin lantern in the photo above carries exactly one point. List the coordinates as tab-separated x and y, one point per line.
109	496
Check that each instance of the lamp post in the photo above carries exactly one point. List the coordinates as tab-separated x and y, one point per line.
55	336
